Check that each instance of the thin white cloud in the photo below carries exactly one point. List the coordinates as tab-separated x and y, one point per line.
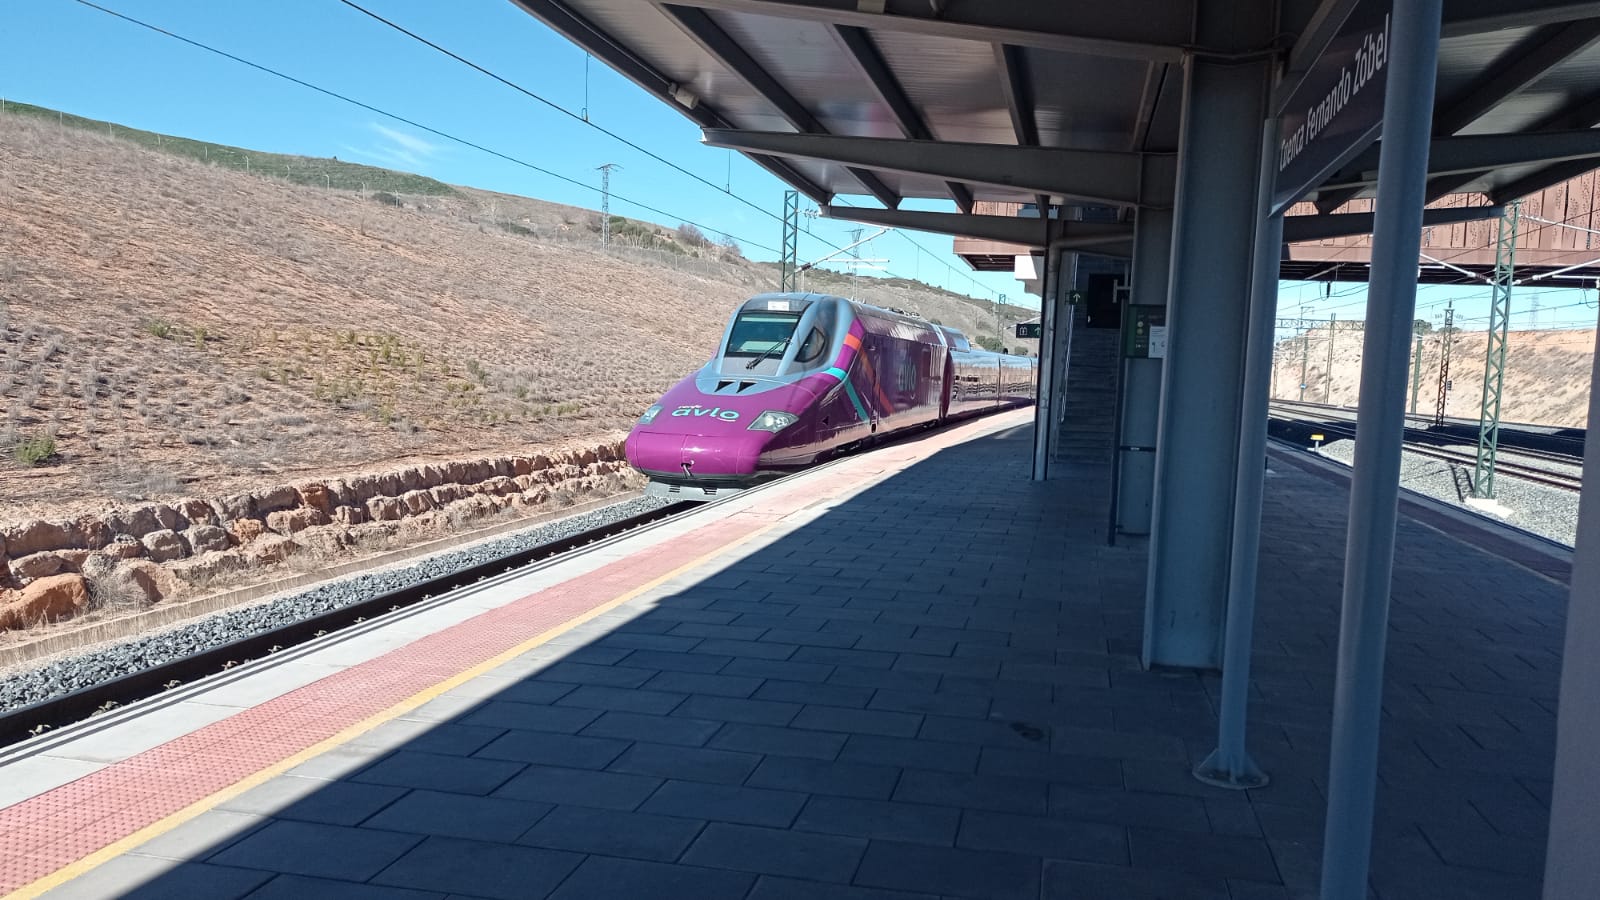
387	157
407	144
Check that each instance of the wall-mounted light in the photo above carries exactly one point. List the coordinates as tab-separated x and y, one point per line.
685	97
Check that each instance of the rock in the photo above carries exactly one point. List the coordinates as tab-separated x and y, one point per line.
446	493
74	559
326	541
164	545
271	548
88	533
37	565
207	538
316	496
410	480
138	521
234	506
521	465
167	516
99	567
289	521
123	546
197	511
499	485
350	515
246	530
275	499
385	509
50	599
154	582
23	538
587	458
417	502
362	489
213	565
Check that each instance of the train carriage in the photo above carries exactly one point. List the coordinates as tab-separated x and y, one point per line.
798	377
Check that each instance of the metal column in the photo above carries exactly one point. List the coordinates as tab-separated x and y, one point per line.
1416	372
1327	376
1207	311
1066	322
1572	868
1447	337
1380	422
1230	764
790	263
1141	378
1049	321
1494	365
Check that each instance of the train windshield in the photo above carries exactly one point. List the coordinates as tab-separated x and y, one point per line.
758	332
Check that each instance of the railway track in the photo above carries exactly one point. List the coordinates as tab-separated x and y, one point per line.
23	722
1514	461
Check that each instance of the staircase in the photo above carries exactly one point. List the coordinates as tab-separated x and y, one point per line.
1089	413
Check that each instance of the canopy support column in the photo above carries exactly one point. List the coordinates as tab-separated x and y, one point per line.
1380	422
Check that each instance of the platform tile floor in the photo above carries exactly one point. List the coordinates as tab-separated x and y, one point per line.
932	690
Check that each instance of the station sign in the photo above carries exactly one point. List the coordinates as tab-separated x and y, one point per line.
1337	111
1144	332
1033	330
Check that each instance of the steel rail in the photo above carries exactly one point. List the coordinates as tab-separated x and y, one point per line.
1432	448
26	721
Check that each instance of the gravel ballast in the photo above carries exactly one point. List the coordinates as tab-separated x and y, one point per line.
1546	511
66	674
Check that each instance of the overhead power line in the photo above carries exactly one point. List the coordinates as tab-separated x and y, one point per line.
407	121
582	119
560	109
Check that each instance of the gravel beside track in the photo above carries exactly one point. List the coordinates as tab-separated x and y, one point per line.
63	675
1546	511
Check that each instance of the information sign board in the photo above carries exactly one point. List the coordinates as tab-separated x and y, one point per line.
1337	110
1144	332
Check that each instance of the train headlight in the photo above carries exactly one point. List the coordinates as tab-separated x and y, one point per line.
650	414
773	420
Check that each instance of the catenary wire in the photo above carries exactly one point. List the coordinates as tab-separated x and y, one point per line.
626	141
413	123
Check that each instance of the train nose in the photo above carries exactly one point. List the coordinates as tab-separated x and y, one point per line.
691	455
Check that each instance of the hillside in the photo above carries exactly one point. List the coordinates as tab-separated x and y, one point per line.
1546	379
177	325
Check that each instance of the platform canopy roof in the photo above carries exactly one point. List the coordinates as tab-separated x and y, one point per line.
908	98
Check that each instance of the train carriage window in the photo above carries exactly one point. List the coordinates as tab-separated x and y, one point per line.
812	349
757	332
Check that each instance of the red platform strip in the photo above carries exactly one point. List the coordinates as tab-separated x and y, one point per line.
43	834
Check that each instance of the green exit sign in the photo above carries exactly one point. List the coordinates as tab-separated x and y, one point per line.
1030	330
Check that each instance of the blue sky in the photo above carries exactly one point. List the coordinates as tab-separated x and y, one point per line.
65	55
68	56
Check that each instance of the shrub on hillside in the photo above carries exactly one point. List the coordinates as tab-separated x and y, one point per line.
690	236
387	199
32	451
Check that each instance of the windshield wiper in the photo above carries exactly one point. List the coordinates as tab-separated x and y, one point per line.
775	348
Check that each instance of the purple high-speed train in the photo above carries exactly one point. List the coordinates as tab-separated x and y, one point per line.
799	377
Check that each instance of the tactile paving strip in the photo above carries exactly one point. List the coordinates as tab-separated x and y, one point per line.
46	833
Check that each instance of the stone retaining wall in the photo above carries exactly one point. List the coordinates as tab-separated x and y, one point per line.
143	554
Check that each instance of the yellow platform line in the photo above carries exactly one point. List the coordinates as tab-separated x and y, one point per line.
162	826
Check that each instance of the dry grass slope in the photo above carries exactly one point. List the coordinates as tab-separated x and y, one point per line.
1546	380
177	327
